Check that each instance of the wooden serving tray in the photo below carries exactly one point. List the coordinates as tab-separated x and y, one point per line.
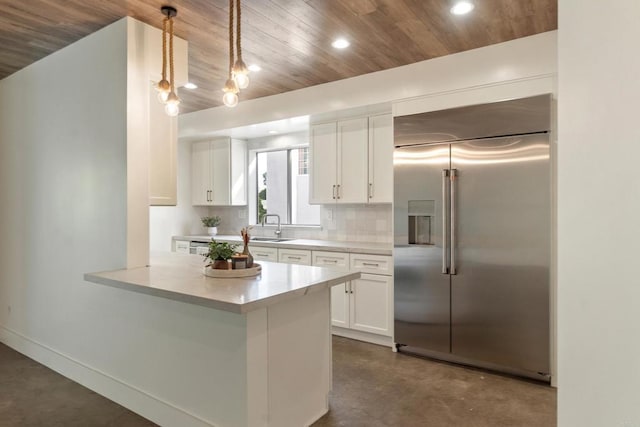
232	274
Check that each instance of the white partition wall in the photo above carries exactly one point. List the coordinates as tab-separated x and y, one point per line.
74	191
598	211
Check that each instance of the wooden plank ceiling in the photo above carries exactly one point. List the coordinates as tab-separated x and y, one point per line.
289	39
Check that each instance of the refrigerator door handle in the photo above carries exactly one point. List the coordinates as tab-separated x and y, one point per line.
453	176
445	243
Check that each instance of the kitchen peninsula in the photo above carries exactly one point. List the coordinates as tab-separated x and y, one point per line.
272	362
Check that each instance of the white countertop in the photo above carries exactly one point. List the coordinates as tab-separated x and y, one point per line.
370	248
179	277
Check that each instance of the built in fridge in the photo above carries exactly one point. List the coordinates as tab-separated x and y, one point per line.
472	244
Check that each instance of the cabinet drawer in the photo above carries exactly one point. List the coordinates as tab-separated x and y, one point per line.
264	254
182	246
202	250
330	259
294	256
374	264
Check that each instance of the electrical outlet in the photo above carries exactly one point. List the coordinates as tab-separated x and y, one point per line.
329	214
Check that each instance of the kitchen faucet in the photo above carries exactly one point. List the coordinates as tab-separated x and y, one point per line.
279	230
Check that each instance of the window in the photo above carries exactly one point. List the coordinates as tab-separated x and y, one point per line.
283	187
303	161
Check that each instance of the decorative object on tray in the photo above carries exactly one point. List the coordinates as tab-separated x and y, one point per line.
219	253
239	262
245	239
212	223
233	274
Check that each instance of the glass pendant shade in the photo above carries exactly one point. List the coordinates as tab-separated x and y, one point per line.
230	99
242	80
162	97
163	88
172	107
241	74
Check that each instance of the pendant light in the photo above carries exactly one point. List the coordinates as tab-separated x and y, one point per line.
166	88
230	97
240	70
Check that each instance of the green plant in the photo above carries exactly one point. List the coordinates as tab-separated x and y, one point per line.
211	221
220	251
262	197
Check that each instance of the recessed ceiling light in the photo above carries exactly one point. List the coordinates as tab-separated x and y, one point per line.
273	132
190	86
462	8
254	67
340	43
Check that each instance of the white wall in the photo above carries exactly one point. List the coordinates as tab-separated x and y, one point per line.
66	140
63	148
524	58
599	149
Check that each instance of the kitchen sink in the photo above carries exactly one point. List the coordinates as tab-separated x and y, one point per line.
269	239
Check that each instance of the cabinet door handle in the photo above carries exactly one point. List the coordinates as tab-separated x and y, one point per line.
338	191
371	264
334	191
293	257
371	190
330	261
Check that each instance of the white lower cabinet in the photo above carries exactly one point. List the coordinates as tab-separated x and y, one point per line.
339	293
264	253
294	256
371	304
340	305
181	246
365	304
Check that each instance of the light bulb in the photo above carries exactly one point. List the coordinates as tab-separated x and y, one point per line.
162	97
172	106
242	80
164	88
172	109
230	99
241	74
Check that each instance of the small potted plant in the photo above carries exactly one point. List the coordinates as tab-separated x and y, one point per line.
219	253
211	222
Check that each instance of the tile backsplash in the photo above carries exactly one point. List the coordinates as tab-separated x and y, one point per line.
358	223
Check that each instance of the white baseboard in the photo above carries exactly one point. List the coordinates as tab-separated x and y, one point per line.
132	398
363	336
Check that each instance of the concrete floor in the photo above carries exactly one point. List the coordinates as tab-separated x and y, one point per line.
372	387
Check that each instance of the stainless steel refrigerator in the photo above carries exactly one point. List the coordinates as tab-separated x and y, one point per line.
472	244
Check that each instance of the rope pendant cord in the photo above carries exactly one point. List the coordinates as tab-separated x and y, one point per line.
231	55
164	48
238	29
171	74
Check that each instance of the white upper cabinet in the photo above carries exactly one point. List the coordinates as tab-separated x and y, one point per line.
352	161
201	181
380	159
323	153
219	172
163	151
